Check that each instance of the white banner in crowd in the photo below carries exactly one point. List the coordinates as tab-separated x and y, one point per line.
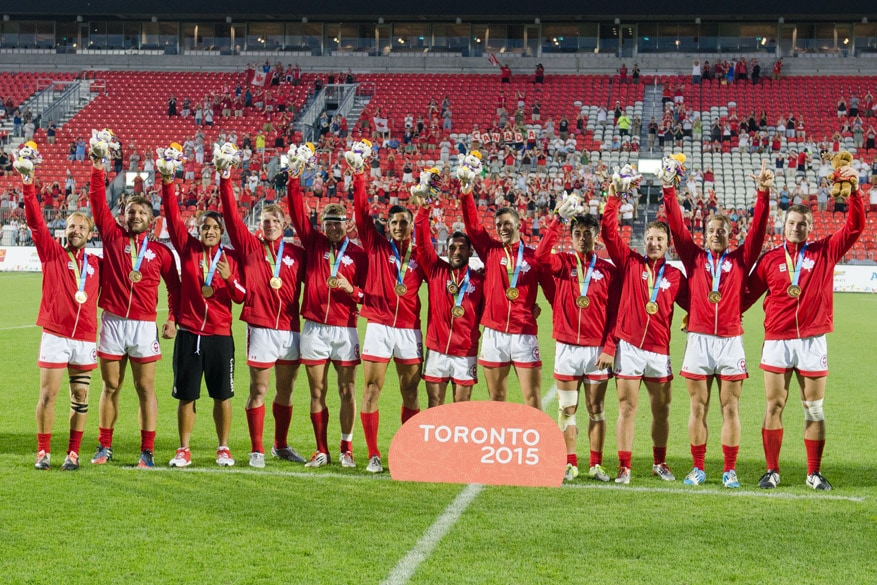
847	277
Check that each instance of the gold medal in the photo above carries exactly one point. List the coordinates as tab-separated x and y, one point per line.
332	281
400	289
458	311
276	282
453	288
583	302
512	293
714	296
135	276
794	291
80	296
651	308
207	291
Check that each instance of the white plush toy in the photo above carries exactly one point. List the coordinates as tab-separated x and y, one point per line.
570	206
469	167
428	187
102	143
27	158
169	159
225	157
359	153
300	158
625	178
672	171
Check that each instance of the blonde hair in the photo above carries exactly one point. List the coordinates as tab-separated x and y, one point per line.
82	215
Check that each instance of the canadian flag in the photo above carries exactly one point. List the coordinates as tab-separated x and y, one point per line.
257	77
493	60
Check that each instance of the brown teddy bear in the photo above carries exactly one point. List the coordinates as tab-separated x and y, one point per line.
842	187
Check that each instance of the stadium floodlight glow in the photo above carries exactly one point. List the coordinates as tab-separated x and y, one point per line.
617	20
228	20
381	20
781	20
537	21
864	20
459	20
304	19
154	19
78	18
697	20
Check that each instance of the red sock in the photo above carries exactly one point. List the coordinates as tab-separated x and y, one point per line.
75	442
596	458
772	439
44	442
346	446
282	418
320	422
659	455
408	413
814	455
370	423
105	437
624	458
147	440
256	424
572	459
730	454
698	454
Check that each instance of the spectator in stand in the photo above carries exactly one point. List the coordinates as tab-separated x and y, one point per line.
172	106
778	69
505	73
539	75
755	71
622	73
696	72
635	73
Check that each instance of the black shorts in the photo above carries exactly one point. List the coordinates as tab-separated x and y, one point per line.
210	356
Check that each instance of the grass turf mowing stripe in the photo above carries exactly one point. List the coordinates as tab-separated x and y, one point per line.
406	567
716	492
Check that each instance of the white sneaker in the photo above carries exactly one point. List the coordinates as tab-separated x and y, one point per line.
183	458
572	472
318	460
374	465
597	472
223	457
347	459
256	460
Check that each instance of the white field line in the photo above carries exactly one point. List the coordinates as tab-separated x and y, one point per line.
405	568
16	327
549	396
721	493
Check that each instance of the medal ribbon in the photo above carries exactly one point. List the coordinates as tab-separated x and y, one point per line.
655	284
401	267
794	269
585	281
716	269
335	261
80	274
137	259
515	272
211	270
458	301
273	260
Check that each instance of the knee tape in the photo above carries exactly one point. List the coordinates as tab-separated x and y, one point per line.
79	407
813	410
597	416
565	399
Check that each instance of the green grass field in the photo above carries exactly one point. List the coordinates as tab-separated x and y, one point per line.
116	524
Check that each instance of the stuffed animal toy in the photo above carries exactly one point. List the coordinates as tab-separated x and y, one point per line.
625	179
843	185
27	158
225	157
672	171
428	187
301	157
169	159
357	155
469	167
102	143
570	206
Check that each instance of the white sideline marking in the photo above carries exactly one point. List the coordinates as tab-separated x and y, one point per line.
722	493
549	396
16	327
244	470
405	568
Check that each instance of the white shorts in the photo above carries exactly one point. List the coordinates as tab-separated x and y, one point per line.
633	363
710	355
120	337
809	356
61	352
323	343
501	349
383	342
266	347
441	367
578	362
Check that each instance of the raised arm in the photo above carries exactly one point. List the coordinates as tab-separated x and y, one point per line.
618	251
297	212
685	246
46	246
368	233
103	217
175	225
757	229
549	261
481	240
425	251
840	242
238	233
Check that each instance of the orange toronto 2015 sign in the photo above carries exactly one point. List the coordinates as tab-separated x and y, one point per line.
497	443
